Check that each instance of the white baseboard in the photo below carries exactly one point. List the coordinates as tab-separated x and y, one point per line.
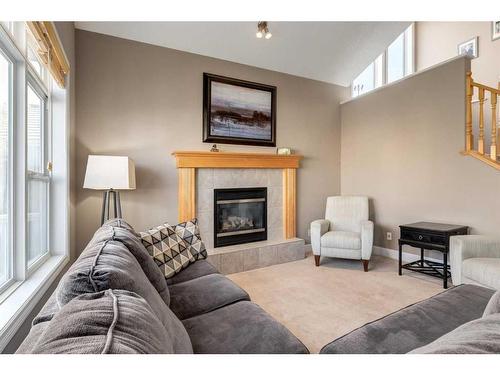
393	254
308	249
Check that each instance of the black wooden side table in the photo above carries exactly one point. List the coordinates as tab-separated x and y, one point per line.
429	236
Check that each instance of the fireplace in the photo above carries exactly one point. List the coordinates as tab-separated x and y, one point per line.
240	216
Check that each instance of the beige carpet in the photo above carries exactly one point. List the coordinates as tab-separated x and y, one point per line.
319	304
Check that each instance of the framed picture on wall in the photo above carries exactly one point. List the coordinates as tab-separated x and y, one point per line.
495	30
238	112
469	48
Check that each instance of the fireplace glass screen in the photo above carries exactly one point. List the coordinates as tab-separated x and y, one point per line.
240	216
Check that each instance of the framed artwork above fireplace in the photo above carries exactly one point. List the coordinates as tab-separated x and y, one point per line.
238	112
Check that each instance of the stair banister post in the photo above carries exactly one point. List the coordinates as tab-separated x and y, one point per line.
493	149
480	143
469	138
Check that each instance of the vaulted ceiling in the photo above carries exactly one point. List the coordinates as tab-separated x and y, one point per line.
334	52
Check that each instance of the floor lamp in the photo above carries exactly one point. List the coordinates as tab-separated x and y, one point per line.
111	174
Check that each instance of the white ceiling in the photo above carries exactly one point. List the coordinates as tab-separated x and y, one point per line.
334	52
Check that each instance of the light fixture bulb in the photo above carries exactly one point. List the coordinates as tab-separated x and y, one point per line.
259	34
268	35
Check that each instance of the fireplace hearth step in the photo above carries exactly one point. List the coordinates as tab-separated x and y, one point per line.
249	256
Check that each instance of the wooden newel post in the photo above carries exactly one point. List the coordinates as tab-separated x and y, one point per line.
469	138
493	149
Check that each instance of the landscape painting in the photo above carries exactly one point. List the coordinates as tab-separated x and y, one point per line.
238	112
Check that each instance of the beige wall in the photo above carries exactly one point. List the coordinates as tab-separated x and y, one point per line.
145	101
438	41
400	146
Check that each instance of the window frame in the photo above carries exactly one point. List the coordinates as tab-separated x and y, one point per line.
408	69
10	185
28	284
33	82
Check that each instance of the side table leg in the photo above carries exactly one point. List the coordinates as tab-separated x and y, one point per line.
400	259
445	270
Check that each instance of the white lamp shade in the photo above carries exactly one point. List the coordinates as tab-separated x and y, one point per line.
109	172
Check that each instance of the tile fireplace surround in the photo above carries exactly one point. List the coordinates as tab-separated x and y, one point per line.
202	172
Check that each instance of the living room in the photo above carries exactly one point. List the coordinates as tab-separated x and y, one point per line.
219	185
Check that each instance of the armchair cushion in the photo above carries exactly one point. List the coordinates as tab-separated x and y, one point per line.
346	213
341	240
485	271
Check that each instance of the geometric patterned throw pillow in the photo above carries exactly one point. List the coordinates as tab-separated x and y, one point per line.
190	233
170	252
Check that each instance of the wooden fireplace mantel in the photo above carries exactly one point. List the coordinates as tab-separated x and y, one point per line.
188	161
204	159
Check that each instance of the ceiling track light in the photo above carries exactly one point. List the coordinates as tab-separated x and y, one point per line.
263	30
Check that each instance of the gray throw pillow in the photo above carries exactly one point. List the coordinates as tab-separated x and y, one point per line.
108	322
480	336
493	306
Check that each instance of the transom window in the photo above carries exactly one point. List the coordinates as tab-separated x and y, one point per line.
394	63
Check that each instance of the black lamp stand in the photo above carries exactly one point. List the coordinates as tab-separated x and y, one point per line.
117	208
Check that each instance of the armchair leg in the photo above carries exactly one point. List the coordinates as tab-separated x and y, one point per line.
316	260
365	264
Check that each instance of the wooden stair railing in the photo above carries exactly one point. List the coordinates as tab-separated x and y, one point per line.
483	93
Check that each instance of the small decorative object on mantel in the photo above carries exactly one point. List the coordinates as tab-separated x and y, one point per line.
469	48
495	30
238	112
284	151
214	148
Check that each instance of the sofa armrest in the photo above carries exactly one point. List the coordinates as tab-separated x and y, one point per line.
366	239
318	228
472	246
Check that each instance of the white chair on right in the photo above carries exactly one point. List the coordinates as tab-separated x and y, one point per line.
475	260
345	232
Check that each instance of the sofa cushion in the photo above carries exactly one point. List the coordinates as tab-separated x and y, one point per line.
480	336
120	223
190	233
109	265
341	240
493	306
169	251
204	294
130	239
195	270
485	271
113	321
415	325
243	328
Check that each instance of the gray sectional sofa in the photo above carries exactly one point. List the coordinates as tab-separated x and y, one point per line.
114	299
429	326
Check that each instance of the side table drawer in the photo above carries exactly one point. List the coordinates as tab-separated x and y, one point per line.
423	237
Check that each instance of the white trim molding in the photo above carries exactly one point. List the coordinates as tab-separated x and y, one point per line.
24	296
394	254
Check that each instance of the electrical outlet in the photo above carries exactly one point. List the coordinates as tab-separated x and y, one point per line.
389	236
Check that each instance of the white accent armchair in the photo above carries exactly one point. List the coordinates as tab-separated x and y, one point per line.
475	260
345	232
